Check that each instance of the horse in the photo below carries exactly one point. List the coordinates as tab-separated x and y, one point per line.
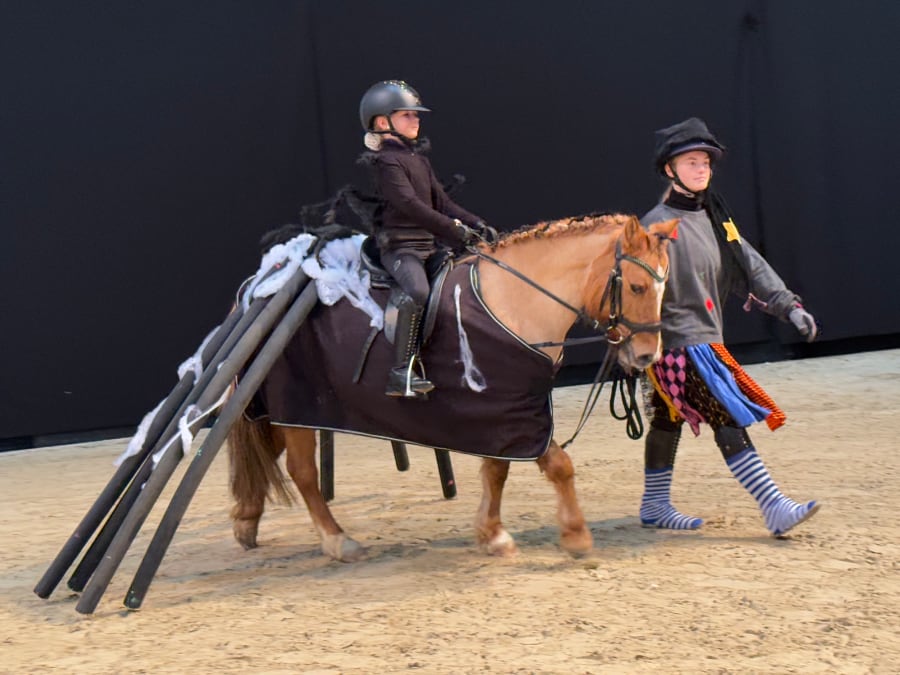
533	285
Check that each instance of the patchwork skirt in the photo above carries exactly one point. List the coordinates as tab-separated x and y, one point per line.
704	383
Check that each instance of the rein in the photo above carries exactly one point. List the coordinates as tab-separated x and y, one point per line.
592	323
623	385
612	291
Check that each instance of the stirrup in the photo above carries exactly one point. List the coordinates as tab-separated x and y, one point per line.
418	382
405	383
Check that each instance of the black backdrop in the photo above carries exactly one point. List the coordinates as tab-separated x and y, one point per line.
146	147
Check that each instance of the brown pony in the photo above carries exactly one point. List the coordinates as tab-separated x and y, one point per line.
535	283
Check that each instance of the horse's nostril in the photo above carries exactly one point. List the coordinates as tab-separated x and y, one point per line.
644	361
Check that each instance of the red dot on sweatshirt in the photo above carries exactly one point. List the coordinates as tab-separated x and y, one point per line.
709	304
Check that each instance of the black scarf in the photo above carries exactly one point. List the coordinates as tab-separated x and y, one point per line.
733	261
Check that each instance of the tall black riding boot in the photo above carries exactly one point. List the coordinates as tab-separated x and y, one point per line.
403	379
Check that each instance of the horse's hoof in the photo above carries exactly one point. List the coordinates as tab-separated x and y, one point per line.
577	544
351	551
501	545
342	548
245	533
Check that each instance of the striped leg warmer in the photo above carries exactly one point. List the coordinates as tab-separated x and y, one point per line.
780	513
656	506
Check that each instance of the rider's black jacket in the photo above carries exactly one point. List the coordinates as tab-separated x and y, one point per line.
415	208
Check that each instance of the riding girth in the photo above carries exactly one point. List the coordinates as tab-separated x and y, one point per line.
311	384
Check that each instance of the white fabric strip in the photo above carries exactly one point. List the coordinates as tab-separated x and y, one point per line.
472	376
338	274
137	441
187	438
195	362
291	254
187	425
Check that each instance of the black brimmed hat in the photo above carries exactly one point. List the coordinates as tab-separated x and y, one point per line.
691	134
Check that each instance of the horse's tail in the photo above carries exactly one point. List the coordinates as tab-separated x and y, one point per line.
255	475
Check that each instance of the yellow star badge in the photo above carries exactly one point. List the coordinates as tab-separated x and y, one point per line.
731	232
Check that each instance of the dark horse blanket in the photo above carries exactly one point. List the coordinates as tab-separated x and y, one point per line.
311	385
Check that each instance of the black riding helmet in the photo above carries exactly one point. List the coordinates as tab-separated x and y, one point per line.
691	134
388	97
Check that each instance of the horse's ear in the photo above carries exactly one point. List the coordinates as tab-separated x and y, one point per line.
667	229
634	234
633	228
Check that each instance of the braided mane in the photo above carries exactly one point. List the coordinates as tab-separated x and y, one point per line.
559	228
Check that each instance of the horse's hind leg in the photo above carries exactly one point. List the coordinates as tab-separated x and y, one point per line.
301	465
575	536
492	536
254	447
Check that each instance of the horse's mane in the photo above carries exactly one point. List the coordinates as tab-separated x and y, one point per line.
565	226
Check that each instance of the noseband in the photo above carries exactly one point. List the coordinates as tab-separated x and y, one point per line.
612	291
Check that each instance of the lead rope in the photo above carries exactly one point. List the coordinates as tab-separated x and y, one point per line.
622	384
626	385
594	394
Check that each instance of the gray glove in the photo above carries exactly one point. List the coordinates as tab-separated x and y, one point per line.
804	322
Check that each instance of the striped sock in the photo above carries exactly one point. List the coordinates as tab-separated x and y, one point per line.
656	506
780	513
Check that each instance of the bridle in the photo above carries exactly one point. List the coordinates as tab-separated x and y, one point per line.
612	292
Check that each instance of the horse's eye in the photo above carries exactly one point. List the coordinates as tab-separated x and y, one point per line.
637	289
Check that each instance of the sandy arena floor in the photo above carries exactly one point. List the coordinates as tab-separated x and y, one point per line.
725	599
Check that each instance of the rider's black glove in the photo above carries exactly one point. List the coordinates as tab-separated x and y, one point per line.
487	233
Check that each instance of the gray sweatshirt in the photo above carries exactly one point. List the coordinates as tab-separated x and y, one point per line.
695	291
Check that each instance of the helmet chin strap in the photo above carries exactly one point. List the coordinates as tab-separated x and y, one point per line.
699	196
409	142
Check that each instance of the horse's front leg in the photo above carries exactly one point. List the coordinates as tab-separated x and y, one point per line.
492	537
300	445
575	537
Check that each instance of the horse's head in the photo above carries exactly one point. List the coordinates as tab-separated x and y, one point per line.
632	299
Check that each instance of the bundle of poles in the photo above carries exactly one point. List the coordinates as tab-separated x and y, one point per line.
247	342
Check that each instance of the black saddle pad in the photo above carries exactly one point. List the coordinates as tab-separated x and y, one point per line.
311	385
